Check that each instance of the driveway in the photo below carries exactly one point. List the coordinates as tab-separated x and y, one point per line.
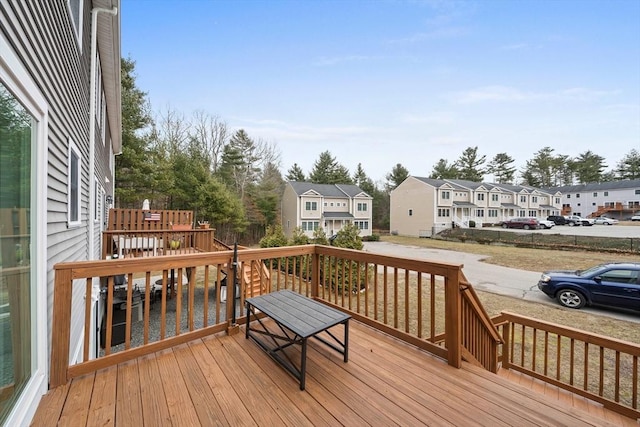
487	277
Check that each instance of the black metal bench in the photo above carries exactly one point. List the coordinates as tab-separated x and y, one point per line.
298	318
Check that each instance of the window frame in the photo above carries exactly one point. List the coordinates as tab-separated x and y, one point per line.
77	27
74	151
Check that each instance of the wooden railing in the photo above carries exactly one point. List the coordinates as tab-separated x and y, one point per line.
599	368
139	219
416	301
136	243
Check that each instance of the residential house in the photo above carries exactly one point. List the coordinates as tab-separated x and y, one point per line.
60	127
328	206
423	206
616	199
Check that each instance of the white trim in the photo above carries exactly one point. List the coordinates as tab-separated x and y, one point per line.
73	149
16	78
77	31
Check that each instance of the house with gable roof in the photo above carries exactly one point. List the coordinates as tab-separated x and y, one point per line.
328	206
423	206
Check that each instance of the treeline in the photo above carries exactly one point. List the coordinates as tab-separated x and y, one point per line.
233	179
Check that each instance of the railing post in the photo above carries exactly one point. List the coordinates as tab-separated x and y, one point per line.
315	275
453	318
506	345
61	318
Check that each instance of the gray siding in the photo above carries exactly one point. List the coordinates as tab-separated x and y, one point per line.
43	37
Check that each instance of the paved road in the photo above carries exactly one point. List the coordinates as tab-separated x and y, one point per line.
627	230
488	277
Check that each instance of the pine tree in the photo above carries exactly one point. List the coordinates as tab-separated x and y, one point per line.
469	165
501	166
444	170
295	174
397	175
629	166
326	170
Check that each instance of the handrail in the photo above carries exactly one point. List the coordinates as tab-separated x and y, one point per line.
599	368
414	300
158	242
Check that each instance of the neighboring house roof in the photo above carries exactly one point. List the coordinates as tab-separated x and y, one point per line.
548	207
464	204
327	190
337	215
510	206
439	182
471	185
600	186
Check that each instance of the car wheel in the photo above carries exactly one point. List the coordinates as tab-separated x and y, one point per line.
526	227
571	298
504	226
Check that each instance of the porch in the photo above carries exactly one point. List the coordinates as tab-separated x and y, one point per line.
228	380
439	368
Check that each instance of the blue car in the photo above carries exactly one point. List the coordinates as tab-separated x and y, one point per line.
615	285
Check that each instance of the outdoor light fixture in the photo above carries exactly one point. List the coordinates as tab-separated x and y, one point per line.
109	199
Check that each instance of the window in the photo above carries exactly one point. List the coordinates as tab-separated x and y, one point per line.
533	214
331	204
557	200
578	196
73	194
480	196
523	199
325	204
492	213
494	197
309	225
97	201
311	206
568	196
362	225
362	207
446	195
620	276
75	10
606	193
534	199
410	212
637	192
522	212
595	194
444	212
480	213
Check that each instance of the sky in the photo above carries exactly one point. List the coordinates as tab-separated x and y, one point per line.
382	82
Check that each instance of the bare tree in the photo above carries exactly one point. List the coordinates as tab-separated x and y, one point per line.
212	135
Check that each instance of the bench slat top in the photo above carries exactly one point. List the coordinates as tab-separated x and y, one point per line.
299	314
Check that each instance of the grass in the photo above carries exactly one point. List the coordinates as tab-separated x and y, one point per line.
539	260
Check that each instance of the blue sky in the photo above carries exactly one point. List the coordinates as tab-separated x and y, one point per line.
382	82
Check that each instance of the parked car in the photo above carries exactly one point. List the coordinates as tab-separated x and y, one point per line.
578	220
524	223
635	218
546	224
614	284
557	219
605	221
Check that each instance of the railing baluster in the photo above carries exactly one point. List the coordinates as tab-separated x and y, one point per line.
395	297
586	366
406	300
147	306
419	309
88	302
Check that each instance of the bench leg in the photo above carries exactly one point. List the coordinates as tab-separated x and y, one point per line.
346	341
303	364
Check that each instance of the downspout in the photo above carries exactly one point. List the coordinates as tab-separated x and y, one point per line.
92	122
92	157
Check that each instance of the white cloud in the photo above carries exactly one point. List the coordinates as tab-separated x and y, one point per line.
510	94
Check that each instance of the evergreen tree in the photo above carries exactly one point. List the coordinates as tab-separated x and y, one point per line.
444	170
268	192
295	174
547	170
588	167
327	170
469	165
135	174
629	166
501	166
397	175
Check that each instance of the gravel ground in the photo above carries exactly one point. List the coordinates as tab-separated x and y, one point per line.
137	327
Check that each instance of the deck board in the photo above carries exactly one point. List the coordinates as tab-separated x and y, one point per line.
229	380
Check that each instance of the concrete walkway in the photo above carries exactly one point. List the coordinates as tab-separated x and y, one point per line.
488	277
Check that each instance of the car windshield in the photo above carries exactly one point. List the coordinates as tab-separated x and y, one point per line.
589	271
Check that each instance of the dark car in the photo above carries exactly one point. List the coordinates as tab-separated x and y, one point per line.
525	223
615	284
557	219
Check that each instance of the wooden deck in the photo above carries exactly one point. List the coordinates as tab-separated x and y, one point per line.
228	380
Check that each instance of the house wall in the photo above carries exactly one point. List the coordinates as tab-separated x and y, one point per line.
412	208
584	203
43	38
290	208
